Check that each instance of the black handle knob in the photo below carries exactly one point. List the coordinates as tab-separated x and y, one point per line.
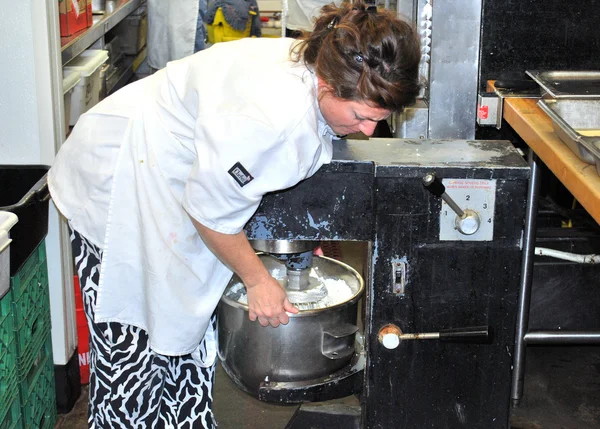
516	84
433	184
472	334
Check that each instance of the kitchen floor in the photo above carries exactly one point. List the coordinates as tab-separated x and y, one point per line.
562	387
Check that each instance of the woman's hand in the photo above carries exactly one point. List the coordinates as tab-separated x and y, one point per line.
267	302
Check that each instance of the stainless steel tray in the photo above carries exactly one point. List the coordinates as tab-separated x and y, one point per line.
567	84
572	117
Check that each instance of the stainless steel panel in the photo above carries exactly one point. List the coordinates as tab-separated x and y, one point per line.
425	24
415	153
98	6
488	105
569	119
453	91
568	84
413	122
407	9
419	13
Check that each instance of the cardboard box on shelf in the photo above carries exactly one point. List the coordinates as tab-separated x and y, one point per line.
75	15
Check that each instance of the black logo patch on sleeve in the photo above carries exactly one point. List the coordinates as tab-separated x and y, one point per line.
240	174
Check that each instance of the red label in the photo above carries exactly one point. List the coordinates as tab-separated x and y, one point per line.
483	112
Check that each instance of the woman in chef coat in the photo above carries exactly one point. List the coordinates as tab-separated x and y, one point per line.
158	180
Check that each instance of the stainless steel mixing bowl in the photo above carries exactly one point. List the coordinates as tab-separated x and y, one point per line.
313	344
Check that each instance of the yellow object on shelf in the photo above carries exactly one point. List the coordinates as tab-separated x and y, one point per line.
221	31
271	32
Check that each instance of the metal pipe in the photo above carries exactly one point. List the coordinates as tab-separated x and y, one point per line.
423	336
562	337
526	279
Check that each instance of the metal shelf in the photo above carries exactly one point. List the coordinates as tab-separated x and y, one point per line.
125	70
79	42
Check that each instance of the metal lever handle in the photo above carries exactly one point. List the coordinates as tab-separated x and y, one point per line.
474	334
391	335
467	221
434	185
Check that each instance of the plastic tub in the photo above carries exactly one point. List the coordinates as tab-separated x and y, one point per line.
70	80
24	192
7	221
86	93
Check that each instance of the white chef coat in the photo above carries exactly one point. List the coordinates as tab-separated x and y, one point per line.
171	30
163	146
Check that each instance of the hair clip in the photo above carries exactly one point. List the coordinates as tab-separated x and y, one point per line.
358	57
332	23
372	9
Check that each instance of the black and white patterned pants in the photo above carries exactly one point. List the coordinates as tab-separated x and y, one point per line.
131	386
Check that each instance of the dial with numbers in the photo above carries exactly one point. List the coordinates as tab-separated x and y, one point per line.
474	196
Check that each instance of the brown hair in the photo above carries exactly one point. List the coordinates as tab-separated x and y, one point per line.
364	54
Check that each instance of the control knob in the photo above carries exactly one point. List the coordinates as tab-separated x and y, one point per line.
467	221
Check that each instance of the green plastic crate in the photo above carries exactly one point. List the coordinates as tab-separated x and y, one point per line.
34	297
19	281
18	424
49	420
7	334
8	378
28	380
11	419
31	308
6	304
31	337
8	362
39	404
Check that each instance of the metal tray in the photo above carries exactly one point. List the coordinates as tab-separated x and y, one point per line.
567	84
571	117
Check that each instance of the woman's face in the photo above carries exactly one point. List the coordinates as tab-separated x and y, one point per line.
349	117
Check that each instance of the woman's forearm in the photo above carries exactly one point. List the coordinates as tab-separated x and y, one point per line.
235	251
267	301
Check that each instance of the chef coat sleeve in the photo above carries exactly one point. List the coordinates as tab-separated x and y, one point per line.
239	159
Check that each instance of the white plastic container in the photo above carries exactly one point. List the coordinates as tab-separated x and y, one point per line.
86	93
7	220
70	80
